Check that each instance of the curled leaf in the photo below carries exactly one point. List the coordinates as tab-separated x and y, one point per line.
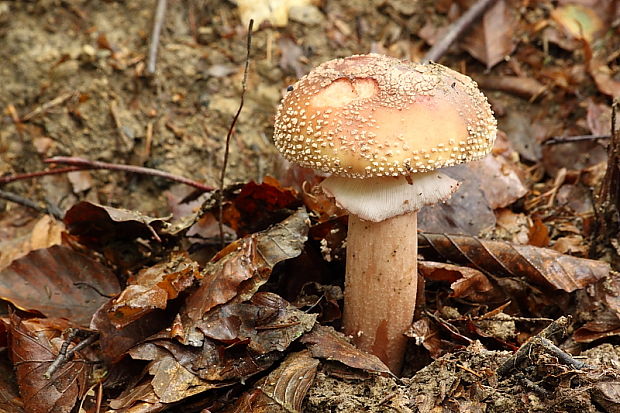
541	266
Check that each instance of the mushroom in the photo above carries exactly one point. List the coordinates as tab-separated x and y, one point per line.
381	127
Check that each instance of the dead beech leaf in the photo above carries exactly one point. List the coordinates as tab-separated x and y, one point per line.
243	266
58	282
254	207
465	282
499	181
326	343
578	21
492	39
152	288
425	333
541	266
283	390
466	212
10	402
266	323
96	225
34	345
45	233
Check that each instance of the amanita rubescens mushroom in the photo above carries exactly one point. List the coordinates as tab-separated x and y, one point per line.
382	127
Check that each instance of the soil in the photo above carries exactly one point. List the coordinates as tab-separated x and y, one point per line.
74	83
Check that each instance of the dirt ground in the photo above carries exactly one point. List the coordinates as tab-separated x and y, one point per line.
74	83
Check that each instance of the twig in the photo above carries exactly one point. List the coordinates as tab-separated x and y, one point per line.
9	196
230	130
578	138
160	14
64	355
457	29
20	177
87	164
48	105
555	328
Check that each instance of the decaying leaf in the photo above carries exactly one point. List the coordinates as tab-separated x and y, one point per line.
34	345
242	267
326	343
466	212
58	282
283	390
492	40
466	282
45	233
96	225
541	266
152	288
10	401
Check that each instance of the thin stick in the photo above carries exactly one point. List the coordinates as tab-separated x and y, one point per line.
64	355
87	164
457	29
230	130
578	138
9	196
20	177
160	14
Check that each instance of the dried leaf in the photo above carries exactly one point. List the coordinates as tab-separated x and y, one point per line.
97	225
283	390
152	288
467	283
58	282
492	39
578	21
34	345
466	212
10	402
541	266
254	207
267	323
499	181
45	233
326	343
242	267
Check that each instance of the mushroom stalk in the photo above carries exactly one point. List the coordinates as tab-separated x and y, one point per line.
381	285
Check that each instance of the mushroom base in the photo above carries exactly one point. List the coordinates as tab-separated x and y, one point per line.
381	285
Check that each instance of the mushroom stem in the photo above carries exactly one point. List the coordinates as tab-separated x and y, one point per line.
381	285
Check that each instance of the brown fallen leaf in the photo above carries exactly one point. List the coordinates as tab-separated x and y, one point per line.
34	345
243	266
266	323
499	181
10	402
465	282
525	87
283	390
326	343
45	233
152	288
492	39
466	212
58	282
96	225
541	266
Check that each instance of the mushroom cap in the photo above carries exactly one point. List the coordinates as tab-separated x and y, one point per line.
373	115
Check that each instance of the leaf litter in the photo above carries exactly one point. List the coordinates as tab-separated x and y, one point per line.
184	325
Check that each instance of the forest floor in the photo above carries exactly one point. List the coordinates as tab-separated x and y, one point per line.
521	303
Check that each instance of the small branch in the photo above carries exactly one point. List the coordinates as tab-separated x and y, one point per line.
457	29
9	196
556	328
578	138
64	355
20	177
231	128
87	164
160	14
